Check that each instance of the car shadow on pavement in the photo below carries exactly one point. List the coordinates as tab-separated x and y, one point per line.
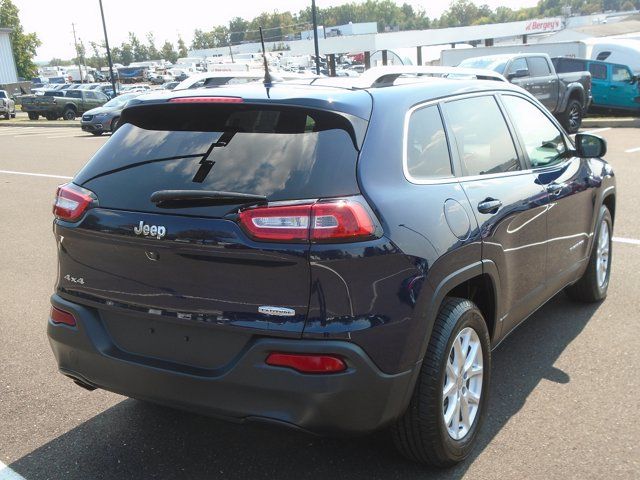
142	441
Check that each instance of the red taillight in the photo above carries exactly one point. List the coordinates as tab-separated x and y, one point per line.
71	202
206	100
340	220
306	363
60	316
325	221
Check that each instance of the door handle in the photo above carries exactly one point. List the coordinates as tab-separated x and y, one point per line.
489	205
554	188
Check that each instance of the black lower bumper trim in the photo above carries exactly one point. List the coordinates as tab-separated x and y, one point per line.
359	400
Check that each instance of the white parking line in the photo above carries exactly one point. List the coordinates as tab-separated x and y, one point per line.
598	130
7	474
11	172
631	241
632	150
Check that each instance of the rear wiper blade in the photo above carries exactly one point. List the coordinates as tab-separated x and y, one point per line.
203	198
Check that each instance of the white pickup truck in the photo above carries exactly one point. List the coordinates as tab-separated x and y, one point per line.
7	105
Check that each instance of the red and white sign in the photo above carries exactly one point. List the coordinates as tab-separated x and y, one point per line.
545	25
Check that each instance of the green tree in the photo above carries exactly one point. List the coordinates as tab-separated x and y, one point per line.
24	44
182	48
139	50
153	52
169	53
237	28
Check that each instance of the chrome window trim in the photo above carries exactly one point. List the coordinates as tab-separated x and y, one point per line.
455	178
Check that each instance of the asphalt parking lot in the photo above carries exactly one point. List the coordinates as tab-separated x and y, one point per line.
564	396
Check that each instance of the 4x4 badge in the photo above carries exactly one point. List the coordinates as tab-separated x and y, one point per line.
157	231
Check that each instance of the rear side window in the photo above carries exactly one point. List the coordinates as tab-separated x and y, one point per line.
538	66
283	154
427	149
74	94
483	139
542	140
91	95
598	71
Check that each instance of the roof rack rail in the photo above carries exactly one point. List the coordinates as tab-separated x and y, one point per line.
385	76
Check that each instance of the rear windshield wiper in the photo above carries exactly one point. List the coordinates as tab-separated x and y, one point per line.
203	198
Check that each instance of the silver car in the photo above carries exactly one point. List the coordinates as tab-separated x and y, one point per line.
7	105
106	118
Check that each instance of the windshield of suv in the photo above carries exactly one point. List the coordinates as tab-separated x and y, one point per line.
2	94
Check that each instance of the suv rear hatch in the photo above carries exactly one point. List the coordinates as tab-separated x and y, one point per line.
182	262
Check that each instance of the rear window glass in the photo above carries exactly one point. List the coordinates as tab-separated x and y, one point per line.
427	149
281	154
538	66
74	93
598	71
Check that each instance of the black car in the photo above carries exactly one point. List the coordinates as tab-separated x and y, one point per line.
336	256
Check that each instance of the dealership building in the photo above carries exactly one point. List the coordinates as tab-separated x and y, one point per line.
8	72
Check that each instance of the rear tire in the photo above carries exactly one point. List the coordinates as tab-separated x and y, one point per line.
594	283
422	433
571	118
33	116
69	114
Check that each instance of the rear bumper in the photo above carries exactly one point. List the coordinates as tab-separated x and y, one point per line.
359	400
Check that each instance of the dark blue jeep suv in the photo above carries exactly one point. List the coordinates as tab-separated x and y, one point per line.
331	256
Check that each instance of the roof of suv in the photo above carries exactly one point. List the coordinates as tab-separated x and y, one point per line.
337	94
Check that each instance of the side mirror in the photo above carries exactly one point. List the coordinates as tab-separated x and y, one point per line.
518	74
590	146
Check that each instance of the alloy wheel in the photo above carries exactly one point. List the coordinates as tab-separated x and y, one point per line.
462	386
602	264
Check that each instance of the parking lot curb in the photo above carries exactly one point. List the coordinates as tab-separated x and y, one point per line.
625	122
35	123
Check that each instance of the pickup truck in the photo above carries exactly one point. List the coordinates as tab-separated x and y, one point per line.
67	104
7	105
566	95
614	85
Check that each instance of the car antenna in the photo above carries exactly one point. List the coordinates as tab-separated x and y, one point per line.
267	76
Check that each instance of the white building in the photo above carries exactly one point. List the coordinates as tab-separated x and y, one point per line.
8	72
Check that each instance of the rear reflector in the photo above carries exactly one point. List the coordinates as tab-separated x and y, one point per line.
306	363
206	100
71	202
324	221
60	316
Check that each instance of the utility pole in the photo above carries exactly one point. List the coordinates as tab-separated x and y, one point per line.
75	42
315	35
106	43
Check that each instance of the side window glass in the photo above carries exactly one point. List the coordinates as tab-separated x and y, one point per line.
483	139
543	141
518	64
90	95
598	71
620	74
427	150
538	67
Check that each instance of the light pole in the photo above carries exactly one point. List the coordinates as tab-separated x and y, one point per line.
315	35
106	43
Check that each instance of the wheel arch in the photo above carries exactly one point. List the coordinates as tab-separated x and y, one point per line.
478	282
